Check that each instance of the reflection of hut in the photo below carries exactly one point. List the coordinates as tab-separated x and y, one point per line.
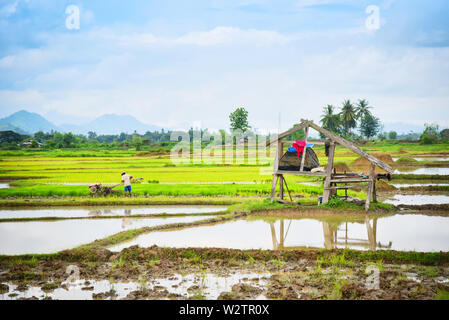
332	180
332	240
331	237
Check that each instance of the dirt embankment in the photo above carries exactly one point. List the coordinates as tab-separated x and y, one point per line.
384	186
362	164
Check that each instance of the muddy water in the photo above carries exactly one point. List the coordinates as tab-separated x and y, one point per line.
428	159
417	199
210	286
406	185
398	232
53	236
433	159
105	211
430	171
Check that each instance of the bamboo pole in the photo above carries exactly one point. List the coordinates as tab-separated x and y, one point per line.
369	193
286	187
327	180
305	149
281	187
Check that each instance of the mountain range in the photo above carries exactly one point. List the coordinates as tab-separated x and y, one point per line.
25	122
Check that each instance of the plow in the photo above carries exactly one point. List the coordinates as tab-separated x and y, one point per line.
98	189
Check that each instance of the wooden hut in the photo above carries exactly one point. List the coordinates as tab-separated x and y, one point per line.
332	181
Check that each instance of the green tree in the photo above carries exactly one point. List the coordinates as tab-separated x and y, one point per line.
68	140
369	126
382	135
392	135
91	135
444	134
329	120
40	136
362	109
298	135
348	116
239	119
137	142
431	133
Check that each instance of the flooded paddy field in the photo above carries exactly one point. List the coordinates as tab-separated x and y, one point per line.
268	255
105	211
209	285
402	232
427	184
417	199
420	171
39	237
426	158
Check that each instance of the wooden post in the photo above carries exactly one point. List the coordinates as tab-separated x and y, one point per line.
327	180
369	192
286	187
374	198
279	149
273	236
304	151
281	187
281	234
273	186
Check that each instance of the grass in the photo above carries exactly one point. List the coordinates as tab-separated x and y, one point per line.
442	295
38	173
156	190
338	203
156	200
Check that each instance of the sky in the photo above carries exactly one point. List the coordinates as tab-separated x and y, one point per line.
182	63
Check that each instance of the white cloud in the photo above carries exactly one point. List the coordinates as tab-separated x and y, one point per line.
231	35
8	9
164	81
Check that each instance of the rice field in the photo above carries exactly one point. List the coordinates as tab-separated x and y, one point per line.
68	172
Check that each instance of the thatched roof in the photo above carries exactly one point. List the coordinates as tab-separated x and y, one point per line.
336	139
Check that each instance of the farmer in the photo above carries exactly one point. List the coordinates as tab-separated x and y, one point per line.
126	179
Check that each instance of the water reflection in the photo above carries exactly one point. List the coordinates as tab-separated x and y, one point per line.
396	232
106	211
52	236
331	236
430	171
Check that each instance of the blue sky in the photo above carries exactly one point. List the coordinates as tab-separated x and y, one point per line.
176	63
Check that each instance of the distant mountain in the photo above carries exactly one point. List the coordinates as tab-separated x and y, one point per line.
111	124
27	122
9	127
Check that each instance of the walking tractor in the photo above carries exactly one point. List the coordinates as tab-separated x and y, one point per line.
98	189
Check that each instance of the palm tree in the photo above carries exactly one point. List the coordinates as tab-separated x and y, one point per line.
348	116
362	109
329	120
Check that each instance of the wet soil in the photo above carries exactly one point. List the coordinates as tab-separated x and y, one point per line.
295	274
